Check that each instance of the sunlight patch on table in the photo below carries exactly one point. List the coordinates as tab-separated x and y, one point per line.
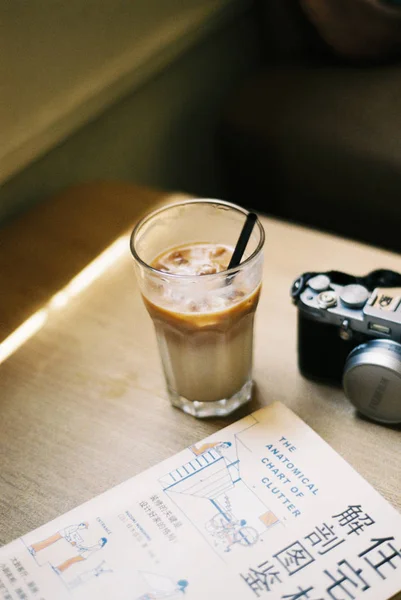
78	284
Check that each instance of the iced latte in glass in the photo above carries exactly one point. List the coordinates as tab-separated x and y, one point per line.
203	313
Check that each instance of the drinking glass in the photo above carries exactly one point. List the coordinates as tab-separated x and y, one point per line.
204	323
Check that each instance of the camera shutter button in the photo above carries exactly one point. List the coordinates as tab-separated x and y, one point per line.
354	295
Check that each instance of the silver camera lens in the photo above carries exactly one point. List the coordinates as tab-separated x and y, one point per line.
372	380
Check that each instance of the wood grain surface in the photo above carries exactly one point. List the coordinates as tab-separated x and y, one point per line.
82	401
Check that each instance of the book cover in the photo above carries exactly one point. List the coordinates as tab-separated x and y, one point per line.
261	509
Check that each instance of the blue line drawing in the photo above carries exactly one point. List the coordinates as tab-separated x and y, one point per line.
228	530
64	551
86	576
234	515
69	534
77	549
83	553
159	586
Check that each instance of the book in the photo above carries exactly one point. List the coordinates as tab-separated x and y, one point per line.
263	508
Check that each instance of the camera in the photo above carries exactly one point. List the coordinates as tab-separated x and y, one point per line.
349	333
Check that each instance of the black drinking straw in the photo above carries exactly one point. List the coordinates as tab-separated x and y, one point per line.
243	240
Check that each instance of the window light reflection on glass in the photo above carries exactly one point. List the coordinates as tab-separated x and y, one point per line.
77	285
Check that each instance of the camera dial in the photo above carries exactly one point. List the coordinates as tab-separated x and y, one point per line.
319	283
327	299
354	295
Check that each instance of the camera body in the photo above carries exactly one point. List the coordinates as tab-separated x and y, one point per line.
349	332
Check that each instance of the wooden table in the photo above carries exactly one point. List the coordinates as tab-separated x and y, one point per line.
82	399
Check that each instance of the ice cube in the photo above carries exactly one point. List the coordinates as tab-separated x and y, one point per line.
216	252
178	258
206	270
